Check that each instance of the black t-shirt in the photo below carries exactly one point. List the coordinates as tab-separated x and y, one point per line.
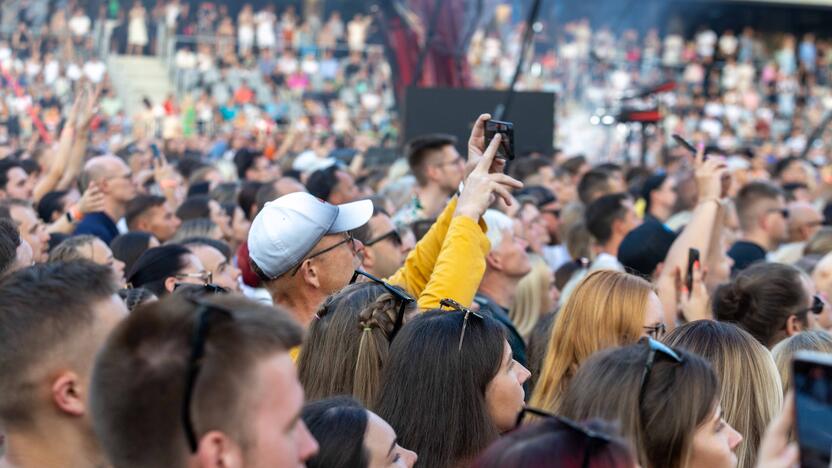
745	253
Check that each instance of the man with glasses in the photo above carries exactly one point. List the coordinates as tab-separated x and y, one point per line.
114	179
301	249
201	381
53	319
384	251
763	215
804	221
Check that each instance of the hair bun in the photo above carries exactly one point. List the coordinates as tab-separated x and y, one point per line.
731	302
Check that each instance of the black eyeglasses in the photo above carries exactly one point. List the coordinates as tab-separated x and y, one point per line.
205	312
817	306
332	247
393	235
655	347
457	307
403	298
656	331
570	424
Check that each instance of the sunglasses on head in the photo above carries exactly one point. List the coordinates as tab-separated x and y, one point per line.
569	424
655	347
206	315
403	298
455	306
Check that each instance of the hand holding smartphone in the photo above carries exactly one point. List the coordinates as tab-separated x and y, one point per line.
506	129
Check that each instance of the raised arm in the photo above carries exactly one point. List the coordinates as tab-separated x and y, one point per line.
698	234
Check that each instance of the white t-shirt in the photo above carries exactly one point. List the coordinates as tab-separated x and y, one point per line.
95	70
80	25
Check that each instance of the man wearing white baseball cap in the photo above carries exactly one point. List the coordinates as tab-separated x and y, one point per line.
302	250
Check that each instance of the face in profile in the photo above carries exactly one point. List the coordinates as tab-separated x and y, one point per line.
504	395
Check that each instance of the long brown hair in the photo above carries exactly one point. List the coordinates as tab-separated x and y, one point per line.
606	309
348	343
749	384
678	398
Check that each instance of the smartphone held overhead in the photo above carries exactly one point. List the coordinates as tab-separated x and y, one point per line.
506	131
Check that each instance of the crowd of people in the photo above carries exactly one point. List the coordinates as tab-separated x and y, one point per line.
231	279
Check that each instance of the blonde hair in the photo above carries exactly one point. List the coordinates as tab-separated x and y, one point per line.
783	352
605	310
531	298
750	390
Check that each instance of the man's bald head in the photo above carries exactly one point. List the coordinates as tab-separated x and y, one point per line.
101	167
804	221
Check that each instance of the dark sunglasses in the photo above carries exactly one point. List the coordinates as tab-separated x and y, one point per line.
205	313
555	212
654	347
570	424
403	298
817	306
457	307
332	247
393	235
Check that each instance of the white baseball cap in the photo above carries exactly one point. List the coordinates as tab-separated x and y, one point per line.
287	229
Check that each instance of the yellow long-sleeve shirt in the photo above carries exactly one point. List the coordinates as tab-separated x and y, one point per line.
448	262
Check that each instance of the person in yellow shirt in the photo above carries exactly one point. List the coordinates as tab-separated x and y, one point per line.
302	249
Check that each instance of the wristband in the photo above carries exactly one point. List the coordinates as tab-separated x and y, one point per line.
77	214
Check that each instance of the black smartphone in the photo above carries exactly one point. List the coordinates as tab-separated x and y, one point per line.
693	257
506	129
812	381
684	143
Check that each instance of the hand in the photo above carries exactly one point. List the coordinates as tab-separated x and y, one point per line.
694	304
92	200
482	185
162	170
775	449
709	174
476	148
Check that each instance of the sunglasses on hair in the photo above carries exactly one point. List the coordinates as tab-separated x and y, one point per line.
402	298
393	235
570	424
457	307
655	347
205	315
817	306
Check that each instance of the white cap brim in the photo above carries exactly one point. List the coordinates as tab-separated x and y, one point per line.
352	216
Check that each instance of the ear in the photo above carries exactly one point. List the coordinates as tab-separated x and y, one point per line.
494	261
793	325
68	395
219	451
369	259
311	275
618	226
170	283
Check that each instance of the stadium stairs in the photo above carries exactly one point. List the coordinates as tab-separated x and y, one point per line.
135	77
